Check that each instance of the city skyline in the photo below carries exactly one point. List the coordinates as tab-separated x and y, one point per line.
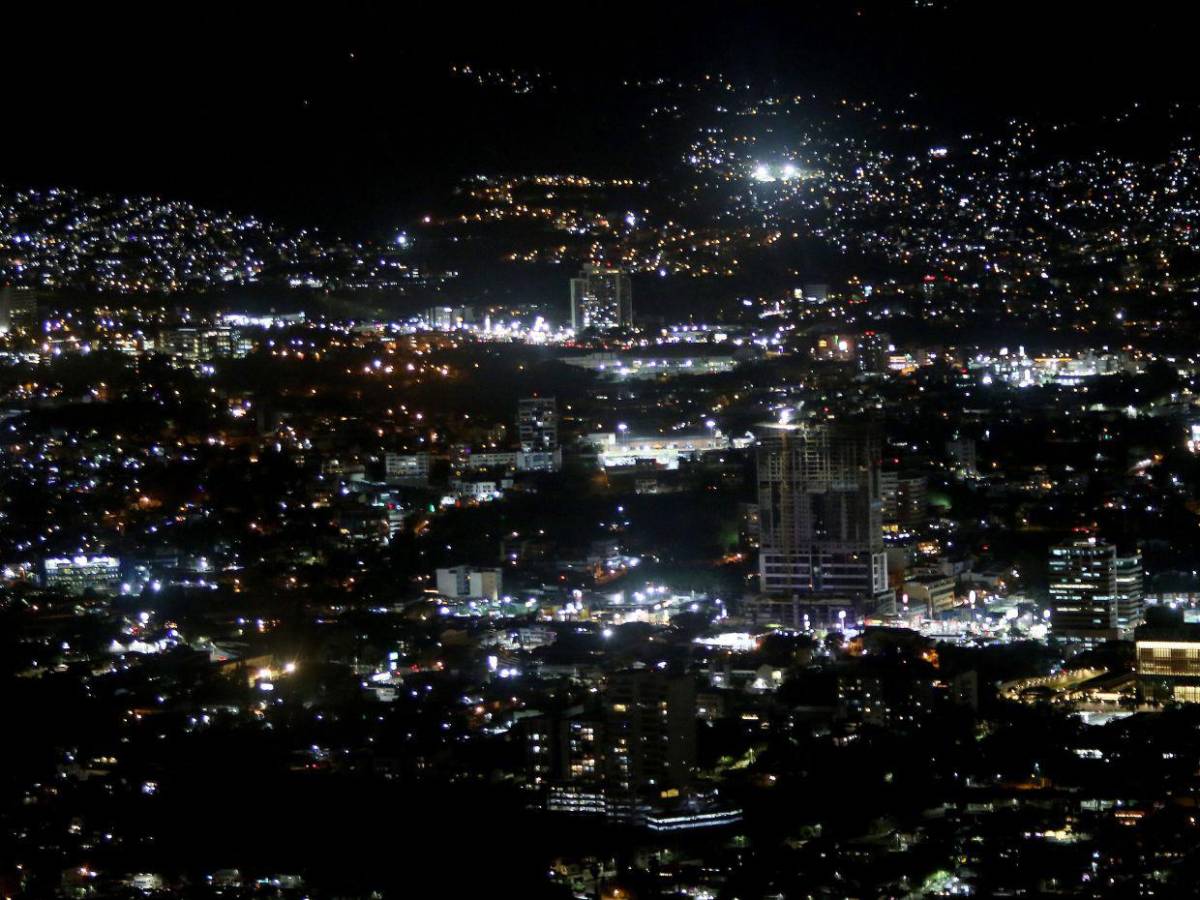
630	453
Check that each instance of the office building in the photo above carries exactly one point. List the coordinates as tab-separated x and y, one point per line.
1088	600
79	574
601	299
1167	658
1130	603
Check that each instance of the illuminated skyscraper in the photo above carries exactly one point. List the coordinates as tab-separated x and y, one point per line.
1094	594
601	298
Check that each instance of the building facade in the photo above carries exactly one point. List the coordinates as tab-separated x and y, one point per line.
537	424
79	574
1095	595
469	582
1167	659
18	311
406	468
601	299
820	511
904	497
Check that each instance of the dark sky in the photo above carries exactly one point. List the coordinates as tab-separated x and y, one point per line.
345	116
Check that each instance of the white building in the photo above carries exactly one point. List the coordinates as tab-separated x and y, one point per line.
620	450
406	468
469	582
81	573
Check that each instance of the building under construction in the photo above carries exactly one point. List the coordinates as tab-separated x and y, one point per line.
820	519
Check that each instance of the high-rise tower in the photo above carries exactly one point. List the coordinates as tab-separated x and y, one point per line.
820	511
537	424
601	298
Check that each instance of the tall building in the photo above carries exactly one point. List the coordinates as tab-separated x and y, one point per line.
537	424
964	460
624	758
1130	603
649	732
449	318
566	761
820	518
904	497
18	310
873	351
601	298
1094	594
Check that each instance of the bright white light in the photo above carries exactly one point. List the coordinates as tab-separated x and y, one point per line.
790	171
762	173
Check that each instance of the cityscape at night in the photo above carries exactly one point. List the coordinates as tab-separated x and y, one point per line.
707	452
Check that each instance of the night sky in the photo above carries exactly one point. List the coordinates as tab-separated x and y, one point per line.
347	117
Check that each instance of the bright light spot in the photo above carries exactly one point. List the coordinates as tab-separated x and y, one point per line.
762	173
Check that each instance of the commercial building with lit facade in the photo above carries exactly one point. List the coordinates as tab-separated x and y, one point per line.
1167	661
79	574
1095	595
